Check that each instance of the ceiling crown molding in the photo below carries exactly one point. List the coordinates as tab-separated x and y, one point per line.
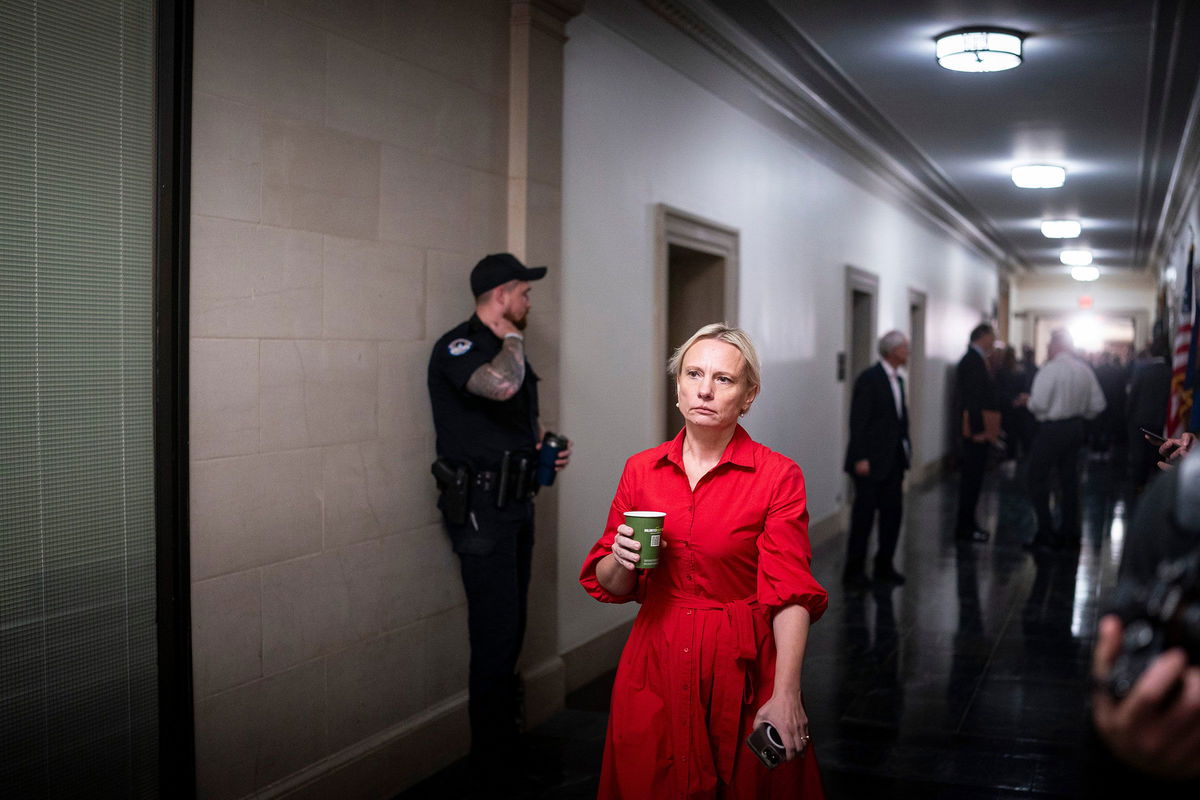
550	16
1172	139
1182	192
791	74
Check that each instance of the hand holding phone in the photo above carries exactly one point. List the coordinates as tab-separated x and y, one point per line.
767	744
1154	438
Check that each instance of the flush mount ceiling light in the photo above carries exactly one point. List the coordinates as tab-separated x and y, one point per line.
979	49
1039	176
1085	273
1075	258
1061	228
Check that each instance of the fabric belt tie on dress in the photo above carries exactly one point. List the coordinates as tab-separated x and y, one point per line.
733	681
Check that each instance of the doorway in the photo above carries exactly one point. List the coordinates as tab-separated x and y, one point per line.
697	281
1092	334
916	376
862	292
695	297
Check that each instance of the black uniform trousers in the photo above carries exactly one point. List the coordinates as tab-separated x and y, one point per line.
495	551
872	494
1056	449
974	459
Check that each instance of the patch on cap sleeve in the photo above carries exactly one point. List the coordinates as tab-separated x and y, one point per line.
460	346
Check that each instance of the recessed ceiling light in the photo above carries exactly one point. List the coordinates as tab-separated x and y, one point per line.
1039	176
1085	273
1061	228
1075	258
979	50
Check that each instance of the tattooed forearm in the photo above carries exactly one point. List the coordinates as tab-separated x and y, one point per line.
502	376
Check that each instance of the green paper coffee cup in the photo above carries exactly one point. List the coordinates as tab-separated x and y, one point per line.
647	529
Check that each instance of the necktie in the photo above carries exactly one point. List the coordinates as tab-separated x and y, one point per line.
904	421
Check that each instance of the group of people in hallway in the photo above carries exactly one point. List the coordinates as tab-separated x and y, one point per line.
1062	397
1148	740
717	649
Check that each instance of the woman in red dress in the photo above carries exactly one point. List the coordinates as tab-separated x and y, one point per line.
718	643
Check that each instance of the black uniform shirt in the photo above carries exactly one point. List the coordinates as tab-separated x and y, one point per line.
474	429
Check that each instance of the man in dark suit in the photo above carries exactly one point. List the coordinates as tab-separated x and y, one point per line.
877	456
976	394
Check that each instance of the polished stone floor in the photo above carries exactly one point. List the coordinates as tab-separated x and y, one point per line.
967	682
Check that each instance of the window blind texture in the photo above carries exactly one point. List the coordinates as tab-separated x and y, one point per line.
78	679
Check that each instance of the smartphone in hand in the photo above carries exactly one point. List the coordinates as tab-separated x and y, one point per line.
767	744
1152	436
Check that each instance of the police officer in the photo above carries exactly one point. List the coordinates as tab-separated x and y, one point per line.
485	411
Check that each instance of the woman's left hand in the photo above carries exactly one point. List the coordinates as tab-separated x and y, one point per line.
786	713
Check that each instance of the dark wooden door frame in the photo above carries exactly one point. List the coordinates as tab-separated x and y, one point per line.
173	105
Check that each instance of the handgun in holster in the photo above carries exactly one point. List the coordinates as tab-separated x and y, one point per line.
454	482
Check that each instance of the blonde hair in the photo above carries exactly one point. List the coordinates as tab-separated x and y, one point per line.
723	333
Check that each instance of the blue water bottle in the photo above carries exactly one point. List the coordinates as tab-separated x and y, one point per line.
552	445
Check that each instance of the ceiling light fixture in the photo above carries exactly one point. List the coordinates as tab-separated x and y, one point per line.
1039	176
1085	273
1061	228
1075	258
979	49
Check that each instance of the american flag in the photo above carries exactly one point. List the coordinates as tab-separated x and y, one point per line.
1179	410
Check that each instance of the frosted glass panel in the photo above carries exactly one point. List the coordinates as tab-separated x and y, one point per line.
78	679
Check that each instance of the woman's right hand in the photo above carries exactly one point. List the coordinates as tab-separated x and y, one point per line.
625	548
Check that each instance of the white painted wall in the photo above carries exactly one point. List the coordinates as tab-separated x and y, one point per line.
1062	293
637	133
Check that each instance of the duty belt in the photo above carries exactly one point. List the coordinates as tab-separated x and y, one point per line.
485	481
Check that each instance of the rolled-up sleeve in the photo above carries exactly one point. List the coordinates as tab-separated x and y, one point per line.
621	503
784	552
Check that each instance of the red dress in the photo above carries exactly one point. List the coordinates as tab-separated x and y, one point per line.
700	660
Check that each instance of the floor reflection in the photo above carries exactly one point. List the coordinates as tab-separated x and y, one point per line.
984	692
967	682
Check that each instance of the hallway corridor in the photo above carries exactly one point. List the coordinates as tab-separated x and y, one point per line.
969	682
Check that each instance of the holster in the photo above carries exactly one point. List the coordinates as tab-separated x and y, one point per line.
517	481
454	482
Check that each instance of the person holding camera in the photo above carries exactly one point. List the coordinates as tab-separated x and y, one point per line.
1146	704
485	411
718	645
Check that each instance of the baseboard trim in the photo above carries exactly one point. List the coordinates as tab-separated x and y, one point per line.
545	690
927	473
825	529
386	763
596	656
392	760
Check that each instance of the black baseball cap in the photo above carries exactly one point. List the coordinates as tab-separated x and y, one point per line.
500	268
